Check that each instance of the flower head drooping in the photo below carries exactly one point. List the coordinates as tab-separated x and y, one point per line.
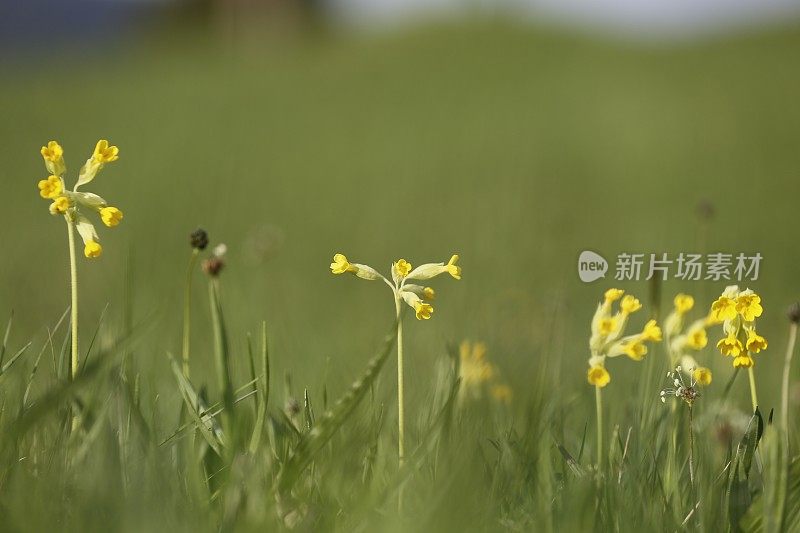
607	338
72	204
738	311
682	339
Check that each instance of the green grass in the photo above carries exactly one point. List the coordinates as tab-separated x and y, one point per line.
515	147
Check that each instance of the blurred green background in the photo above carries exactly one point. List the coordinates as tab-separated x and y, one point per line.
514	145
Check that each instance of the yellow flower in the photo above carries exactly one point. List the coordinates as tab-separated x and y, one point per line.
423	310
697	339
743	361
702	375
92	249
502	393
341	265
748	304
612	295
598	376
607	325
103	153
730	345
402	268
50	188
683	303
428	293
111	216
453	269
53	156
629	304
651	332
635	350
755	342
59	206
473	368
723	308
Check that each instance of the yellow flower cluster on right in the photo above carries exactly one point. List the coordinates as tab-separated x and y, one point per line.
607	338
737	311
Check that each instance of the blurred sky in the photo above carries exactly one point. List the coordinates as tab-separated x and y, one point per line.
39	23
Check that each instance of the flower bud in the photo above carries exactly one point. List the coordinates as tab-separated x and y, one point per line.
199	239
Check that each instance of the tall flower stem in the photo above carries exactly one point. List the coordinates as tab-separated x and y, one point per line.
691	452
753	394
787	365
73	272
401	426
598	400
187	304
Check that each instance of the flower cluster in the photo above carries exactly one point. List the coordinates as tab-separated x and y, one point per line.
607	338
681	389
416	296
737	311
680	341
70	203
476	372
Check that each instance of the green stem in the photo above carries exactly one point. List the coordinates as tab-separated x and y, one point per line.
401	427
787	365
753	395
73	272
222	363
598	399
187	303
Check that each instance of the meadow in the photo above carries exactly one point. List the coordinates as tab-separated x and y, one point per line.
514	147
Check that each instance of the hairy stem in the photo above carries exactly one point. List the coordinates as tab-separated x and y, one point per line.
73	272
753	394
598	400
401	426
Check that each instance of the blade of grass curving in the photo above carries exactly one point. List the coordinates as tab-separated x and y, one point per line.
263	392
14	358
5	337
94	336
194	406
738	492
332	420
222	362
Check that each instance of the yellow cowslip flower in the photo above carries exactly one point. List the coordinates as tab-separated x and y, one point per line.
474	369
423	310
502	393
612	295
683	303
702	375
723	308
53	156
111	216
697	339
431	270
730	345
743	361
92	249
71	203
103	153
598	376
755	342
428	293
341	265
607	325
401	268
636	350
629	304
50	188
651	332
748	304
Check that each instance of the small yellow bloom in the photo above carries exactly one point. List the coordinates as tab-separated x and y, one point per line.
474	369
755	342
402	267
607	326
111	216
50	188
502	393
683	303
59	206
103	153
651	332
53	156
748	304
598	376
428	293
743	361
635	350
697	339
341	265
453	269
612	295
723	308
92	249
730	345
423	310
629	304
702	375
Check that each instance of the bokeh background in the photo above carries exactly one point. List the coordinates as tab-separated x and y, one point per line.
517	134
